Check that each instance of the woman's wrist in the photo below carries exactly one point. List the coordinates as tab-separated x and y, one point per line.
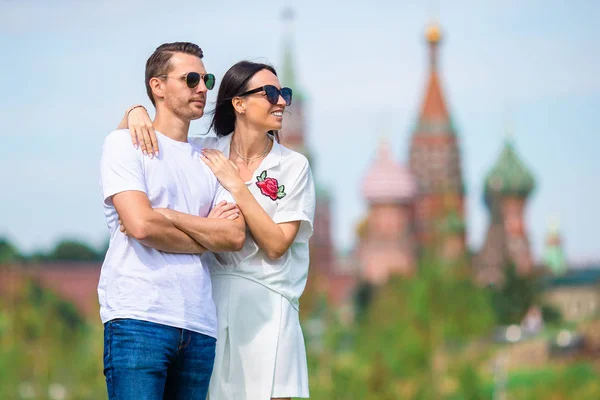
238	189
130	109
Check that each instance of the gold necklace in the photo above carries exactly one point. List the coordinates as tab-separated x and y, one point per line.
249	160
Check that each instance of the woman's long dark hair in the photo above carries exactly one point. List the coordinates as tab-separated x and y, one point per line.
234	83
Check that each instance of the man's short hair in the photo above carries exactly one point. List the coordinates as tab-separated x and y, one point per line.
159	62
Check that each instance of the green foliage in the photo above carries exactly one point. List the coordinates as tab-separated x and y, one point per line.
362	299
426	337
65	250
579	381
512	300
70	250
470	384
8	252
37	257
413	340
428	312
551	315
46	346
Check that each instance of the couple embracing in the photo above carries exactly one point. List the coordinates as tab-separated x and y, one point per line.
208	251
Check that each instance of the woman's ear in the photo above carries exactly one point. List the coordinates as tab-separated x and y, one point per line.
239	105
158	88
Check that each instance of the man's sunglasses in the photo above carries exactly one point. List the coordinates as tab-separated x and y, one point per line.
192	79
273	94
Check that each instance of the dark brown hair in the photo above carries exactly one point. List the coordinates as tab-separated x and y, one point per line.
159	62
233	84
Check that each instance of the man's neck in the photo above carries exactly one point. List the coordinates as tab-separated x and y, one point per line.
171	125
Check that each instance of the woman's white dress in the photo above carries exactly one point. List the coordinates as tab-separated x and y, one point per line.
260	351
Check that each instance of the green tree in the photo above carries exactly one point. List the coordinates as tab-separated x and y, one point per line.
415	338
551	315
362	299
512	299
71	250
8	252
424	321
37	257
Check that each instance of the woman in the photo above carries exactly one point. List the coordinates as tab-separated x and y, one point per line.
260	349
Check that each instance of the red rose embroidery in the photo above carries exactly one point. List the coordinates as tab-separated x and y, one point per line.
270	187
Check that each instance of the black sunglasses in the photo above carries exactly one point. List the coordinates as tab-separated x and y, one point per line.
273	93
192	79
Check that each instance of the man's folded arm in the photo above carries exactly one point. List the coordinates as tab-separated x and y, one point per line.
215	234
150	228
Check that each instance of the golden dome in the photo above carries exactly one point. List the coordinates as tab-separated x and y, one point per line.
433	33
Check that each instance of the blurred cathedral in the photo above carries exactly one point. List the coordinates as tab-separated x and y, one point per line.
419	206
412	208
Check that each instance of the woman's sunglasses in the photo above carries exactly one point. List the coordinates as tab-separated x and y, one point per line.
192	79
273	94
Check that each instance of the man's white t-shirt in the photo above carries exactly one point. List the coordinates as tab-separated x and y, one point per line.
140	282
283	185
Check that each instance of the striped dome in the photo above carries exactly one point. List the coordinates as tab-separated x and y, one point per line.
509	176
387	181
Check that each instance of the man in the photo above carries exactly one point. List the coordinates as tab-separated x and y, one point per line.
155	294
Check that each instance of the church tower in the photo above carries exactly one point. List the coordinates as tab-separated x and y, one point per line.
293	136
436	164
386	244
507	188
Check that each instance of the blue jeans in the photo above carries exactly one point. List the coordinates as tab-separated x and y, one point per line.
149	361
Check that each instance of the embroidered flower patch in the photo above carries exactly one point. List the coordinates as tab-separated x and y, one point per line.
270	187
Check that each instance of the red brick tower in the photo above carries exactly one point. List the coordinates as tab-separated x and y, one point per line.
435	163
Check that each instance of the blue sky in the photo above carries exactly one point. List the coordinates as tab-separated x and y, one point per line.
70	68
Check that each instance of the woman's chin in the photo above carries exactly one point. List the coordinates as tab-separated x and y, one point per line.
275	127
271	125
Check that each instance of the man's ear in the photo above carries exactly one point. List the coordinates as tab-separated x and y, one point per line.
158	88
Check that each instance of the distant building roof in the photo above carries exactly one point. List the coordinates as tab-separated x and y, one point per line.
387	181
575	277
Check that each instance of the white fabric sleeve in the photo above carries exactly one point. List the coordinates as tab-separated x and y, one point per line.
120	166
222	194
298	204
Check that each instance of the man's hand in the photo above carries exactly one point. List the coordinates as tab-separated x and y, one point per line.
224	210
